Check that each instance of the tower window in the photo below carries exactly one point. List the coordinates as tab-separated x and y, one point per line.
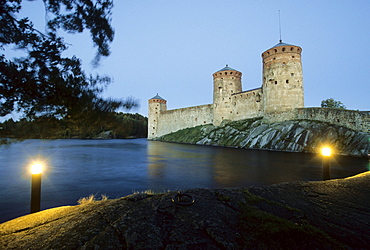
284	63
292	74
283	49
275	50
292	56
275	82
231	73
287	81
225	73
291	49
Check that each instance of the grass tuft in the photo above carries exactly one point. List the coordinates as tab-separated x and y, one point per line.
91	198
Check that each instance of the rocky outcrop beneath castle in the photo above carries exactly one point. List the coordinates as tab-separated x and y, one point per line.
303	215
293	136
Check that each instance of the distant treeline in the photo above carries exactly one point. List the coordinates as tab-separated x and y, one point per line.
114	125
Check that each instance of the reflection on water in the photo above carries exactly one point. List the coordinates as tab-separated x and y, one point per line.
78	168
228	167
179	166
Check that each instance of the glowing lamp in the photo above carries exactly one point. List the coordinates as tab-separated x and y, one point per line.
325	151
36	170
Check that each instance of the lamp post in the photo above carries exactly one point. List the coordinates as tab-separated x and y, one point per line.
36	170
326	153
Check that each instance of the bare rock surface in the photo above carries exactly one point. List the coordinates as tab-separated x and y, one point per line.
292	136
139	221
339	207
304	215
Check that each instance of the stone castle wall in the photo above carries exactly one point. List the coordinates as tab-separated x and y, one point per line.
356	120
246	104
173	120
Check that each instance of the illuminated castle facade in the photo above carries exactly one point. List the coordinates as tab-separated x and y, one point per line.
280	95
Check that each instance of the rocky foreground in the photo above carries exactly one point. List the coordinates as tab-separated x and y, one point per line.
302	215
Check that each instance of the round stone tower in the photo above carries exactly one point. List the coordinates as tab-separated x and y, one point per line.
155	106
282	84
226	81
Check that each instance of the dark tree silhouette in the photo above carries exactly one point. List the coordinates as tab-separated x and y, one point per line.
44	83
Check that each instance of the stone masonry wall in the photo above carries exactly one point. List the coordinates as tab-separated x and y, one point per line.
357	120
176	119
246	104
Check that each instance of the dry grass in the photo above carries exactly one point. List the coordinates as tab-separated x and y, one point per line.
91	198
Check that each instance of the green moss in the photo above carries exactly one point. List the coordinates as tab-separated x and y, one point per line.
188	135
245	124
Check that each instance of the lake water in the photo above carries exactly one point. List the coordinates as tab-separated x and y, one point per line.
79	168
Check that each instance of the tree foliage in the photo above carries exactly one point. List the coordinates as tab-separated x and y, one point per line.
115	126
44	83
331	103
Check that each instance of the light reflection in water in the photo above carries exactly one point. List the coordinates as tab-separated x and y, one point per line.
79	168
193	166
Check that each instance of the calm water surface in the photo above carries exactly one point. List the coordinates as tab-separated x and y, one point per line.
79	168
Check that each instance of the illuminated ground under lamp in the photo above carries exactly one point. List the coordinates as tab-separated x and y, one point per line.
326	153
36	170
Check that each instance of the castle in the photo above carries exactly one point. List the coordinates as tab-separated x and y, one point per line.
281	97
